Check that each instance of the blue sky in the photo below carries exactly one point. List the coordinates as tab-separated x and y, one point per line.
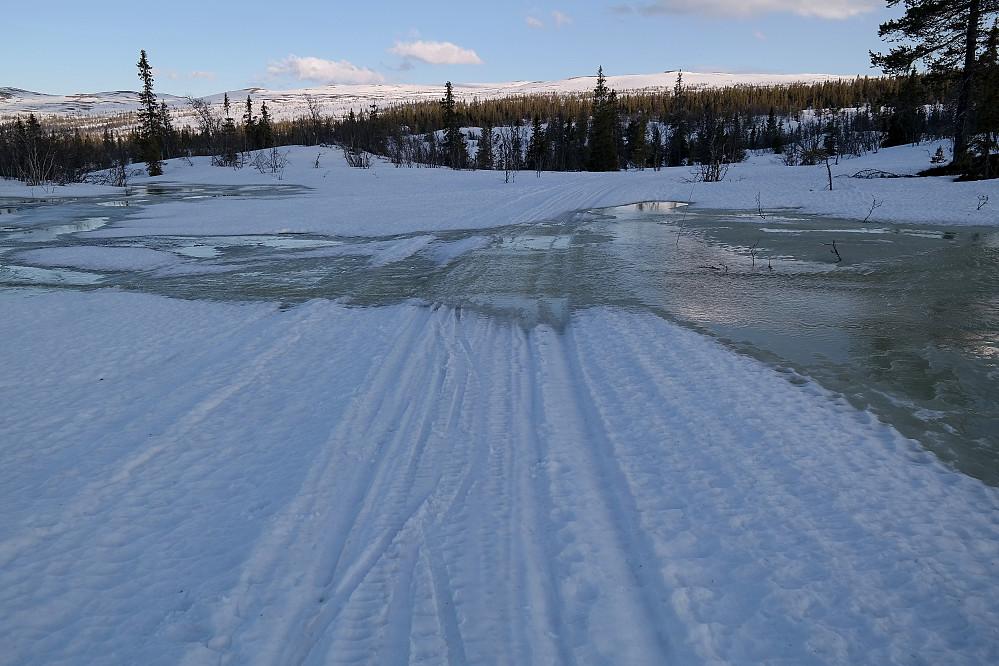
204	47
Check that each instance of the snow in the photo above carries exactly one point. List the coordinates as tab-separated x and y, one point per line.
204	482
339	99
384	200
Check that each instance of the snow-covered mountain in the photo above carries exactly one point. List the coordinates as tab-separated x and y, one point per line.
339	99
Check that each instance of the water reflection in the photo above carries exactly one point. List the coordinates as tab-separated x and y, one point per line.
906	324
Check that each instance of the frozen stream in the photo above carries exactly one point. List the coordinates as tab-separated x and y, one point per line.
906	324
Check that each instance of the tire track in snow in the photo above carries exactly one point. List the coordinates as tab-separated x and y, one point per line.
295	539
770	551
366	501
607	616
665	635
441	472
700	459
460	544
541	596
441	433
561	494
367	530
453	643
444	455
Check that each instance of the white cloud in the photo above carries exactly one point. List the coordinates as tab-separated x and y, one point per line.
160	72
323	71
558	19
759	35
561	19
436	53
827	9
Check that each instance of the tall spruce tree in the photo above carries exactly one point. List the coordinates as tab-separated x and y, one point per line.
228	151
250	126
455	144
603	127
947	36
265	131
679	144
150	120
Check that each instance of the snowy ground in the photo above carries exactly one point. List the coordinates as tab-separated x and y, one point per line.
201	482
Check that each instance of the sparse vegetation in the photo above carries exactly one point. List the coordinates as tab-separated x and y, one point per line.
875	204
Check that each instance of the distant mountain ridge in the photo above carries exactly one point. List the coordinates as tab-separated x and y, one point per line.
338	99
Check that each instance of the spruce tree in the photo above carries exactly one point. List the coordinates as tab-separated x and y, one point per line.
907	120
947	36
455	145
228	152
250	126
150	122
657	149
603	127
485	157
537	147
986	121
168	133
679	144
265	132
639	153
376	138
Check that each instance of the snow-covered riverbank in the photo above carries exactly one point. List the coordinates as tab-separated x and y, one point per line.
202	482
384	200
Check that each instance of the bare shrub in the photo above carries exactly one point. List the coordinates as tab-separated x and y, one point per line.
271	161
358	159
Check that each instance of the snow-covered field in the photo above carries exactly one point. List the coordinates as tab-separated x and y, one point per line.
239	483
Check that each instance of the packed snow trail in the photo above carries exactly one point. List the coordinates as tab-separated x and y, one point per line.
207	483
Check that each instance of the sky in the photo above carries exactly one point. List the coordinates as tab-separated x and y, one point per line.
200	48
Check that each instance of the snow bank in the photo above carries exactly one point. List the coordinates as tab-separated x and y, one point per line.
385	200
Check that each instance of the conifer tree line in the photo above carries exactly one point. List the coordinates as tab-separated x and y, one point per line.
604	131
570	132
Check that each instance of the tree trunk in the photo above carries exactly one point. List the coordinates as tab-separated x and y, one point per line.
962	126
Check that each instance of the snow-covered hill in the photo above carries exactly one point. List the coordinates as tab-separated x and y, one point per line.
339	99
